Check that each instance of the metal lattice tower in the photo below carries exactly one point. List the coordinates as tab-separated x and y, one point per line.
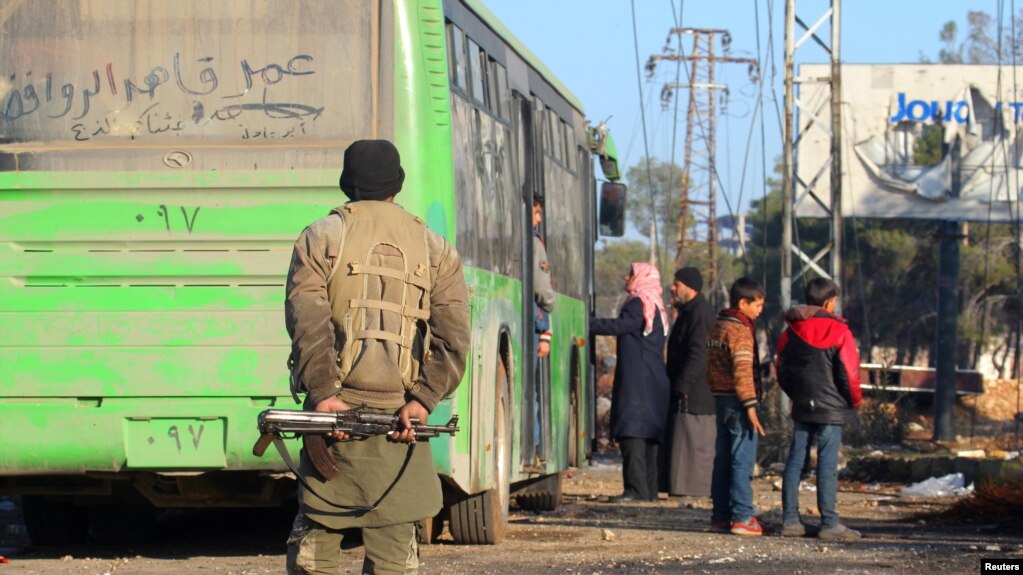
794	189
698	189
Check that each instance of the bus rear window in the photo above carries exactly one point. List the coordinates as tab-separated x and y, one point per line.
97	75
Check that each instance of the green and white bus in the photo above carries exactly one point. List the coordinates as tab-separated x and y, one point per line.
158	160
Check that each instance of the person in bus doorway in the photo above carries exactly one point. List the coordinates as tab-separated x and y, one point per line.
819	369
691	426
641	390
732	362
543	304
377	309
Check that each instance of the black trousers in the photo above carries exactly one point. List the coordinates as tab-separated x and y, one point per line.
639	467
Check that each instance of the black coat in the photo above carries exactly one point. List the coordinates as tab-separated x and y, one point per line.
639	400
687	358
819	367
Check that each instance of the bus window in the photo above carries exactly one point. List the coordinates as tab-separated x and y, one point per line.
501	88
540	115
456	58
477	77
554	126
569	146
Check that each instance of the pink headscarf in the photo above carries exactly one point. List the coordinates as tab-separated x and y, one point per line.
646	285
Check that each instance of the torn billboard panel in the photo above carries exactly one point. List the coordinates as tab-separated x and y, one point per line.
895	119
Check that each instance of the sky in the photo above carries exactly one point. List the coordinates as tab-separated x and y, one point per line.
591	47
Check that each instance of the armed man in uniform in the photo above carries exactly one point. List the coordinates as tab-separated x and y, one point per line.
377	309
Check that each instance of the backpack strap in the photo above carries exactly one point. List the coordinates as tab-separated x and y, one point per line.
334	245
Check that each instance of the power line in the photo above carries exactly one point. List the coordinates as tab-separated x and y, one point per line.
700	114
642	113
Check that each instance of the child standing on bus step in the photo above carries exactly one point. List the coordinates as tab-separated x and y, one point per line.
732	361
543	304
639	399
543	291
819	369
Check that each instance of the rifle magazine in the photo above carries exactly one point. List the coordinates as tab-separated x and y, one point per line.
319	455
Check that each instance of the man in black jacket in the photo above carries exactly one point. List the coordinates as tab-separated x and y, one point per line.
819	369
691	427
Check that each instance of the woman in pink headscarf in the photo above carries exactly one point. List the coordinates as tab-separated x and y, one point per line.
641	394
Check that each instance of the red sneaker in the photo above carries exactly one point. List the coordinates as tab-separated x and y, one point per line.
752	529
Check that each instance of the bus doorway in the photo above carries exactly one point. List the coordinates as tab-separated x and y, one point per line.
535	431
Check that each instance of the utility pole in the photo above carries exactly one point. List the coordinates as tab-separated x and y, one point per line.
698	189
947	337
794	189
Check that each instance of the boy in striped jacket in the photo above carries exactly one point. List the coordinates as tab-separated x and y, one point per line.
732	361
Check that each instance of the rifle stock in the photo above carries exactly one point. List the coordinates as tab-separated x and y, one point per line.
262	443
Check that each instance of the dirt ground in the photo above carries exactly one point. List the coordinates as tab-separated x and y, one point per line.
587	535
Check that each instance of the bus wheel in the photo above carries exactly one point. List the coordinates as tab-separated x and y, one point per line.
50	522
481	519
542	495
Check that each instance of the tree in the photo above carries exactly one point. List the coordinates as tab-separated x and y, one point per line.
981	45
927	148
654	187
810	235
952	53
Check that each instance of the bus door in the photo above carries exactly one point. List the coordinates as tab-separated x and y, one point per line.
535	399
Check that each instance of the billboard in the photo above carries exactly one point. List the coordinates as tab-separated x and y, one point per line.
894	121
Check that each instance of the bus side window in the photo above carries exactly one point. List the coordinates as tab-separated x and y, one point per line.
569	146
477	58
456	57
554	127
540	113
501	88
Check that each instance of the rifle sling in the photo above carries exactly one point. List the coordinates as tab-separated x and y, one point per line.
283	451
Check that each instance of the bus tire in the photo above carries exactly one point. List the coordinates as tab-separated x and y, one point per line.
543	495
50	522
482	519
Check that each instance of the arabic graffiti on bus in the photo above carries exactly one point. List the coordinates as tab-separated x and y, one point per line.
197	82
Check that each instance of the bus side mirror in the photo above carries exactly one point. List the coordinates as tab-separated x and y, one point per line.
612	209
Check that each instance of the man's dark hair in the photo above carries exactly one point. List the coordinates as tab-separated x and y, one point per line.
820	290
745	289
537	200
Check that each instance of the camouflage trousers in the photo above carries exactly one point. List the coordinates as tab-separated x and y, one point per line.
315	549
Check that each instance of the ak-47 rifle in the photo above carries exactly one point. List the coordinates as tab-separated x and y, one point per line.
311	425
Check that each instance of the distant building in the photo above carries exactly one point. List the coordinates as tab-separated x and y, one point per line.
739	232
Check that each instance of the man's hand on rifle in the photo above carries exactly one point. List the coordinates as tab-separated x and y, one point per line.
411	410
332	404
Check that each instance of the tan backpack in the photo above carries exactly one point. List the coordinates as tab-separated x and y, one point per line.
379	293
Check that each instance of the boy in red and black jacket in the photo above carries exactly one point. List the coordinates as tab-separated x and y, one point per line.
819	369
